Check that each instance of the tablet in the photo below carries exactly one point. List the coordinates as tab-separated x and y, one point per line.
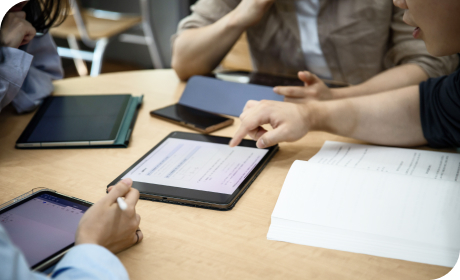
81	120
43	226
197	170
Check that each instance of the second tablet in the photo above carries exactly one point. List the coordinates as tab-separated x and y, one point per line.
198	170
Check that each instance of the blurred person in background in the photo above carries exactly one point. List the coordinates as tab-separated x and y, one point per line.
363	43
428	113
30	58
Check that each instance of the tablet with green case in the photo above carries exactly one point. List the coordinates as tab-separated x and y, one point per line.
82	121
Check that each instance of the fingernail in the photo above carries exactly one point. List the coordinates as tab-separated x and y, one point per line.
261	143
275	89
127	181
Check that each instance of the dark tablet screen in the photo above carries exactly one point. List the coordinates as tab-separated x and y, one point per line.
77	118
43	225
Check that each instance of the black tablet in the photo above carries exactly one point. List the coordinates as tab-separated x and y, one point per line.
79	120
43	226
197	170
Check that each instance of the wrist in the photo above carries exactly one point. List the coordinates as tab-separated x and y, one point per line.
234	21
344	92
315	115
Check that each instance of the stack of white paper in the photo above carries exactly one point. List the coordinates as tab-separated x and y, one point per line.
389	202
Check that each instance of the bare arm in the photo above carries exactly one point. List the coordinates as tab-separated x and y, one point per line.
398	77
394	78
199	50
390	118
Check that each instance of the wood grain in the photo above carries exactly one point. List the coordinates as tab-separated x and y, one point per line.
184	242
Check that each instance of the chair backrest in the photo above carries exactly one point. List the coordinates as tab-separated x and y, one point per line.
82	29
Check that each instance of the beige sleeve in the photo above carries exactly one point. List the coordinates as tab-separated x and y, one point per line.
405	49
205	12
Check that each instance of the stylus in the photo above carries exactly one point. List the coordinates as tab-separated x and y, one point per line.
122	204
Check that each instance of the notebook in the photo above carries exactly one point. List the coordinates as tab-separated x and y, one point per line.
387	202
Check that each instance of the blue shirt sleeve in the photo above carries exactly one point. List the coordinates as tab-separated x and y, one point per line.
13	71
89	261
36	65
13	265
86	261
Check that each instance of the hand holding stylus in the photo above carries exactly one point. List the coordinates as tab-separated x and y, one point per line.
104	224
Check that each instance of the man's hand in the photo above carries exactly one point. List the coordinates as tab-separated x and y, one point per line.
314	89
250	12
290	122
16	30
106	225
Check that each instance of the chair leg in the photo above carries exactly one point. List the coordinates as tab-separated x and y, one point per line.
149	37
98	55
76	56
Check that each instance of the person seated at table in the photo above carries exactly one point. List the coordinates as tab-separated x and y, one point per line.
103	230
30	61
428	113
364	43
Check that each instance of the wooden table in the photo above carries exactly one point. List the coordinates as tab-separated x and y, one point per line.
184	242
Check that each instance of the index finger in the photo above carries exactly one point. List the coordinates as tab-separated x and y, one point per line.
119	190
132	197
290	91
252	121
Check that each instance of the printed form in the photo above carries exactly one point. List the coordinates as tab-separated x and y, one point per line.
427	164
197	165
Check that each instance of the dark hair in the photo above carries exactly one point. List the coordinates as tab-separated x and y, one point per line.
44	14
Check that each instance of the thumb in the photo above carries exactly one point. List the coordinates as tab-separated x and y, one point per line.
119	190
308	78
270	138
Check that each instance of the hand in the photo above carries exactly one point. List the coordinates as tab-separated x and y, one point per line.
289	121
16	30
314	88
106	225
250	12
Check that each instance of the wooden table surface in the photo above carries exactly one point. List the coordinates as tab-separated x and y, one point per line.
184	242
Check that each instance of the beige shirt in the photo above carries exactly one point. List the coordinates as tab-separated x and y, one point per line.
359	38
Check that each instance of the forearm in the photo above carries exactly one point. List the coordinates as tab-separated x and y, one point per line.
391	79
199	50
389	118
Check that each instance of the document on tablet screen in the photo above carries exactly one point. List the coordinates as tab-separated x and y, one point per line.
197	165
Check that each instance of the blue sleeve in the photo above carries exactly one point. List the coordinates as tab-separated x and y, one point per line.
440	110
45	67
13	71
86	261
89	261
13	265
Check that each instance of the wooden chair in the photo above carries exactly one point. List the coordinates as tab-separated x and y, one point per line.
95	28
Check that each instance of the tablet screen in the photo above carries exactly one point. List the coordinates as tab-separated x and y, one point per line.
197	165
77	118
43	225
